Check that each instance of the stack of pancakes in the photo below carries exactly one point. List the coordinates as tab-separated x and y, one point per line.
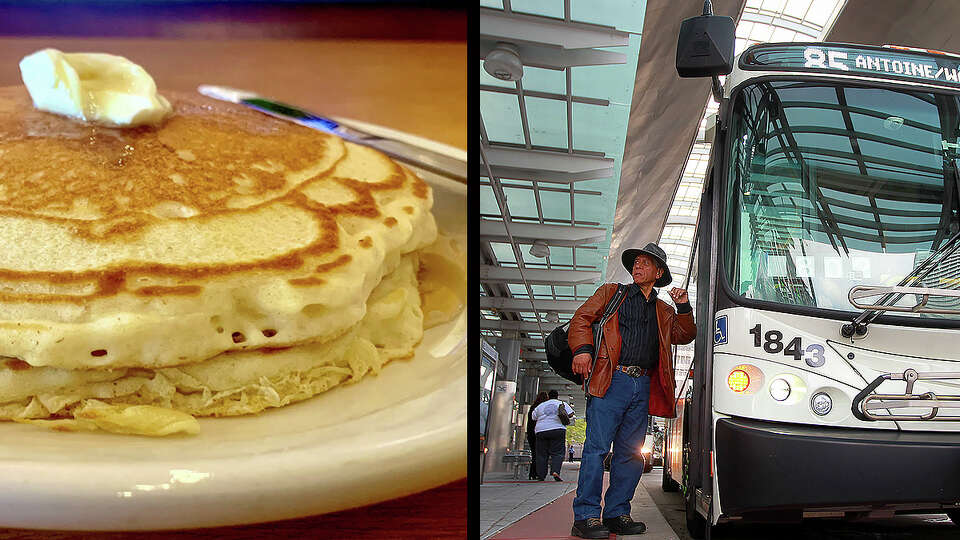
220	263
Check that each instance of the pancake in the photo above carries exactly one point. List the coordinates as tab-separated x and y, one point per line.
231	383
221	230
220	263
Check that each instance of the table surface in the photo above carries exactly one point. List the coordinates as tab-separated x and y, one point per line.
416	87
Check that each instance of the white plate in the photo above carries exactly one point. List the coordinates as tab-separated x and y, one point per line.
389	435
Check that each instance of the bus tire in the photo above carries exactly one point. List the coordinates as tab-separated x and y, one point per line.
954	516
669	485
696	524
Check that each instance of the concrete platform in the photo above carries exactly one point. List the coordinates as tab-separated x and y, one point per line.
530	510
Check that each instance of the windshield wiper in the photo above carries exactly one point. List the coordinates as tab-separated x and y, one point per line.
858	327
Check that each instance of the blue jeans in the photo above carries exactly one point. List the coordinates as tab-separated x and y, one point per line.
620	417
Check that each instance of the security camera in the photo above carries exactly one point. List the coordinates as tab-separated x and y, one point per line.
503	62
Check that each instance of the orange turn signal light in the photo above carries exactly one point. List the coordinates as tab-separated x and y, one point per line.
738	380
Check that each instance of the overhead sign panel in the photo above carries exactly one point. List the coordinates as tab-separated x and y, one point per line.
887	62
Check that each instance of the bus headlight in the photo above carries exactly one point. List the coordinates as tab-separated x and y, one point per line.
779	389
821	403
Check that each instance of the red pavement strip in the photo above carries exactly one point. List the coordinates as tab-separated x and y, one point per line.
553	521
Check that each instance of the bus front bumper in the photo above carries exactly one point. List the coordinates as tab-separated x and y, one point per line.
770	466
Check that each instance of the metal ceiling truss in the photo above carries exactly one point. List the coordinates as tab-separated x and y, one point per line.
544	165
532	344
556	44
527	233
548	32
498	274
544	95
525	304
509	326
555	58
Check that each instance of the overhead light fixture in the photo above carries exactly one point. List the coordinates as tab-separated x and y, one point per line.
540	249
503	62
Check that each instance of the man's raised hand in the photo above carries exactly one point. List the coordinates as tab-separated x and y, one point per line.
679	296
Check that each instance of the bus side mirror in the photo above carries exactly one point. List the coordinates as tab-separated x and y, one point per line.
705	46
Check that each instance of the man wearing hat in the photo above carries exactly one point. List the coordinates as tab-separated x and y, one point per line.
630	376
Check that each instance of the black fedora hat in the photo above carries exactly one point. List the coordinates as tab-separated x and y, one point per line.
630	255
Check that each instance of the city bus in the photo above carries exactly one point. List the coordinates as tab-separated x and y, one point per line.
825	379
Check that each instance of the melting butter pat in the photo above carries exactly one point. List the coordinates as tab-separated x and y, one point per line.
93	87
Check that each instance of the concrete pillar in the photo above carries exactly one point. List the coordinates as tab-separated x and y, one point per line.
522	413
500	429
502	418
489	366
527	388
508	347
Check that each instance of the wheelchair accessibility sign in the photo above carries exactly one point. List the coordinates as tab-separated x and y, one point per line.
720	331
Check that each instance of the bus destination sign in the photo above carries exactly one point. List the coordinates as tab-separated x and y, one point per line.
883	61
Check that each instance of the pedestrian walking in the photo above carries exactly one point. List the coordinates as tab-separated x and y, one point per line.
551	435
532	434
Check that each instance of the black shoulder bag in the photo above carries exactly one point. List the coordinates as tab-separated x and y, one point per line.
559	355
562	414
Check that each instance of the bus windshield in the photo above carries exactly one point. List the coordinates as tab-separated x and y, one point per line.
831	186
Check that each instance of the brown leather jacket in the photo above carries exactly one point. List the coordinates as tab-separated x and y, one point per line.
674	330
